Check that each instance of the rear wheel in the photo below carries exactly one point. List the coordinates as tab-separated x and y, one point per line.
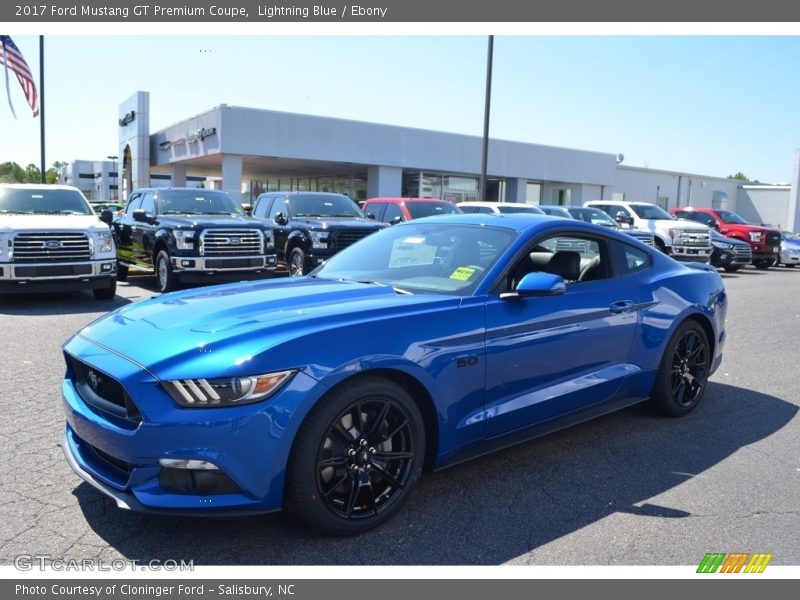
683	373
122	272
356	458
763	264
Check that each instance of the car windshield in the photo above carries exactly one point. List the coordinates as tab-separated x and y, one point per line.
788	235
197	202
323	205
556	211
42	201
421	257
417	210
519	209
651	211
594	216
731	218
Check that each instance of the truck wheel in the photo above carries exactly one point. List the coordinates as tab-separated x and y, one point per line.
660	245
297	262
732	269
762	265
122	272
167	280
106	293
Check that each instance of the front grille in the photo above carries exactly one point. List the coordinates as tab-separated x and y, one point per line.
102	392
645	238
694	238
51	247
347	237
742	250
773	238
232	242
119	466
234	263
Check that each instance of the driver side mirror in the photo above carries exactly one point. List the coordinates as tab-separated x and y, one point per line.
248	209
140	216
623	219
281	219
396	220
371	216
107	216
537	284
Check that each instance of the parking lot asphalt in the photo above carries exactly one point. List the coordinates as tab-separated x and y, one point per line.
627	489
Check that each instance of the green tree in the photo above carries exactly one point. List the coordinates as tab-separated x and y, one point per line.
739	175
11	172
32	174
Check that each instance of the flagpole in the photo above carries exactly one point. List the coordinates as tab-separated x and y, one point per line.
41	103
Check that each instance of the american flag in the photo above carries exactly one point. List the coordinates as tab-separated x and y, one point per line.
11	57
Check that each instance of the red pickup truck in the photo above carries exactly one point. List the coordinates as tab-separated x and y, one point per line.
765	242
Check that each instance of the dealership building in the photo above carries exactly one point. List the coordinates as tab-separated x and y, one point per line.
246	151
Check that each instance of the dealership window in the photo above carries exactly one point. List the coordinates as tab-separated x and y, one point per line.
561	197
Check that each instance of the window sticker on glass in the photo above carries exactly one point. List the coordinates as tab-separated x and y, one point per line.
462	273
411	252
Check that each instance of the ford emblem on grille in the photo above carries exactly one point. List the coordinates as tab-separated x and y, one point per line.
52	244
234	240
94	380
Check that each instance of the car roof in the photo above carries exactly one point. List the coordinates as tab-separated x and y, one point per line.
515	221
38	186
493	204
398	200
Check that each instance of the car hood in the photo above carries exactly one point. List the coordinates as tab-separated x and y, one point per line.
50	222
203	222
216	329
338	223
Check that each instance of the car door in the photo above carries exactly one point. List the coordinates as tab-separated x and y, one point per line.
374	210
123	229
281	230
143	234
548	356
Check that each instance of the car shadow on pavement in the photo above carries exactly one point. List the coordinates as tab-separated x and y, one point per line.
487	511
64	303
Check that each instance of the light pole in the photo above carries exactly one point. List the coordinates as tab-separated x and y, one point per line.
114	193
485	150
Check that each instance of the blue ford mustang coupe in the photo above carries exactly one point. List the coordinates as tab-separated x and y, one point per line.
421	346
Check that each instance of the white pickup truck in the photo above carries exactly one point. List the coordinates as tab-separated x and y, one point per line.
51	240
682	239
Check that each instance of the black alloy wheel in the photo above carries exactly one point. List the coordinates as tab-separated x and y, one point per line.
356	458
682	376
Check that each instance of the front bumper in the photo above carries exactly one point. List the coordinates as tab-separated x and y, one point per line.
214	264
249	444
50	277
690	253
790	257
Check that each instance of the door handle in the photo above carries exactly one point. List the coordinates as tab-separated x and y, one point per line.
622	306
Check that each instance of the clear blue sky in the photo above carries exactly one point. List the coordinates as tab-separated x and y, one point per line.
710	105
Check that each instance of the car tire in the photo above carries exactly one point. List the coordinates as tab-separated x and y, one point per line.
356	458
122	272
106	293
762	265
732	269
683	371
166	279
297	262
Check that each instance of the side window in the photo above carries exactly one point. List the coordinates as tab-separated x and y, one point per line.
575	258
278	206
134	203
261	206
707	219
376	208
629	260
148	205
392	212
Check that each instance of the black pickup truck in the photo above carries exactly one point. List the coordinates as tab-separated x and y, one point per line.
310	227
190	235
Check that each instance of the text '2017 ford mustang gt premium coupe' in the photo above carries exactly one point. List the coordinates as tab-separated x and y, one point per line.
418	347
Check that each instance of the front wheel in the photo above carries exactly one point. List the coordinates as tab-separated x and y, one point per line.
356	458
297	262
762	265
683	373
732	268
166	278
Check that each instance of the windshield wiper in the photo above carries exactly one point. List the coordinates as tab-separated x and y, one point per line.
57	212
14	212
218	212
397	290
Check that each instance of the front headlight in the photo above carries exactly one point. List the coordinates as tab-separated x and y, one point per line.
755	236
269	239
104	241
319	239
675	233
5	247
184	240
722	245
230	391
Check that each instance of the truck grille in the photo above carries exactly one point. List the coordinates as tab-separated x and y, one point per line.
695	238
232	242
51	247
343	239
773	239
642	236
